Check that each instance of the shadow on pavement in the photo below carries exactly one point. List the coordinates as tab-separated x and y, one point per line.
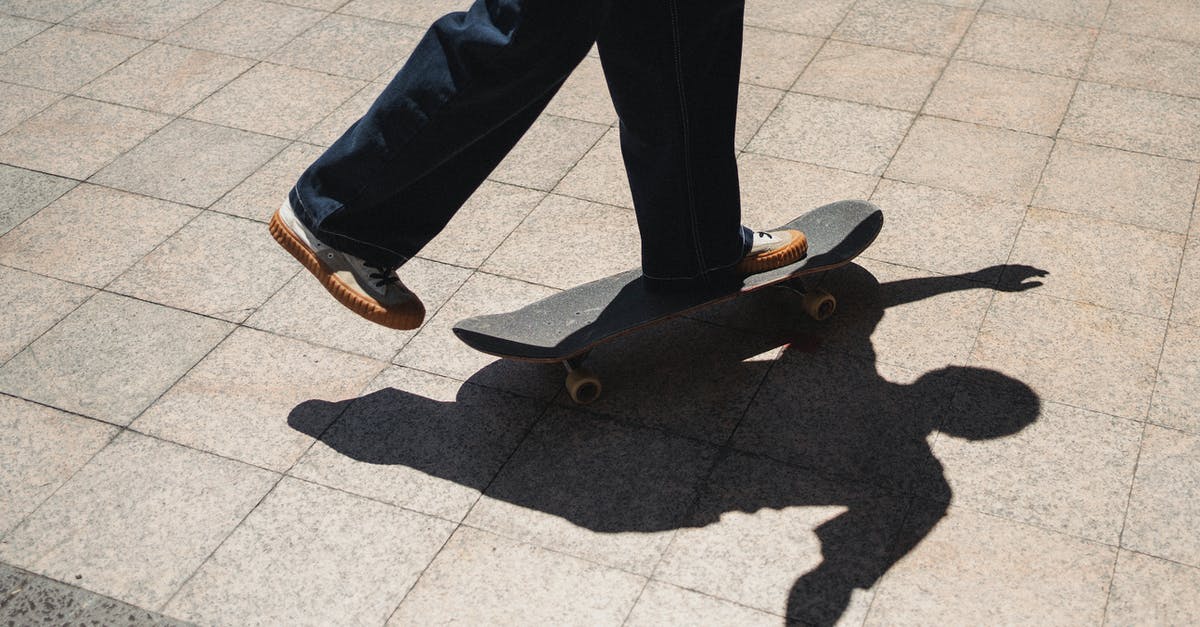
848	436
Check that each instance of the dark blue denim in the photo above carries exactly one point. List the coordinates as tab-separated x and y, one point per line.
477	81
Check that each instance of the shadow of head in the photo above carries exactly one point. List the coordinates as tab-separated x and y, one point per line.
989	405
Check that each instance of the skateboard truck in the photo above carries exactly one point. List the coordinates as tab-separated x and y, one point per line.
582	384
818	304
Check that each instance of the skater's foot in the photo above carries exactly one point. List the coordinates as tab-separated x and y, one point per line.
773	250
373	292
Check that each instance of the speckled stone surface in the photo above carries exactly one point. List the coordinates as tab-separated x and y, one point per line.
258	571
514	582
419	441
997	427
263	382
871	75
1165	501
111	357
138	520
1019	574
29	599
1118	185
76	137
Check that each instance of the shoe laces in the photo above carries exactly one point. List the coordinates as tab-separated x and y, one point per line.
383	275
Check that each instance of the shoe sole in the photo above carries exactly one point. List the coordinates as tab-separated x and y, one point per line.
347	296
791	253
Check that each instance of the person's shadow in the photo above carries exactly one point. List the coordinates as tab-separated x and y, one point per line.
848	436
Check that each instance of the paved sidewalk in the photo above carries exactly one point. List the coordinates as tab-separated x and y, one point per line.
191	430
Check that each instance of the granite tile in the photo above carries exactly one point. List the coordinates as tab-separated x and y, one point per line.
335	124
1164	506
183	273
1164	19
91	234
276	100
515	583
772	58
1186	308
419	13
482	224
190	162
816	17
42	449
165	78
1113	265
1047	342
548	151
420	441
755	105
1129	187
1013	99
303	310
35	600
247	399
602	492
42	10
851	419
256	576
76	137
973	568
245	28
138	519
599	175
781	540
111	357
23	193
63	58
32	304
1026	44
14	30
320	5
870	75
585	96
143	19
257	197
976	160
879	305
832	133
1177	395
906	25
1088	13
1146	63
1141	121
1068	471
559	234
435	349
943	231
18	103
1147	590
663	604
775	191
349	46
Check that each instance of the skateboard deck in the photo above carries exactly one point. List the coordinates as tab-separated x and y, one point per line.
563	327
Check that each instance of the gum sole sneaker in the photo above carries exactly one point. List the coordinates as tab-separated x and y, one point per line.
772	250
372	292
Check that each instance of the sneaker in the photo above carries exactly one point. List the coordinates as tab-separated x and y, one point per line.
373	292
773	250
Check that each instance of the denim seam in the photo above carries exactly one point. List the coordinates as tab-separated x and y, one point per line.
683	122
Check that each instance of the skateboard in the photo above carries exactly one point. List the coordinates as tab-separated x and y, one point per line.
566	326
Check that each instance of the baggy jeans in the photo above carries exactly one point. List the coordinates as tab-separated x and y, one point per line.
478	79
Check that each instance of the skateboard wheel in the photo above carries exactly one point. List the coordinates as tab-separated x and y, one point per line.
819	304
583	386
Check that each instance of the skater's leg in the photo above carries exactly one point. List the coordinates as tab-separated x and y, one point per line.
672	68
478	77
